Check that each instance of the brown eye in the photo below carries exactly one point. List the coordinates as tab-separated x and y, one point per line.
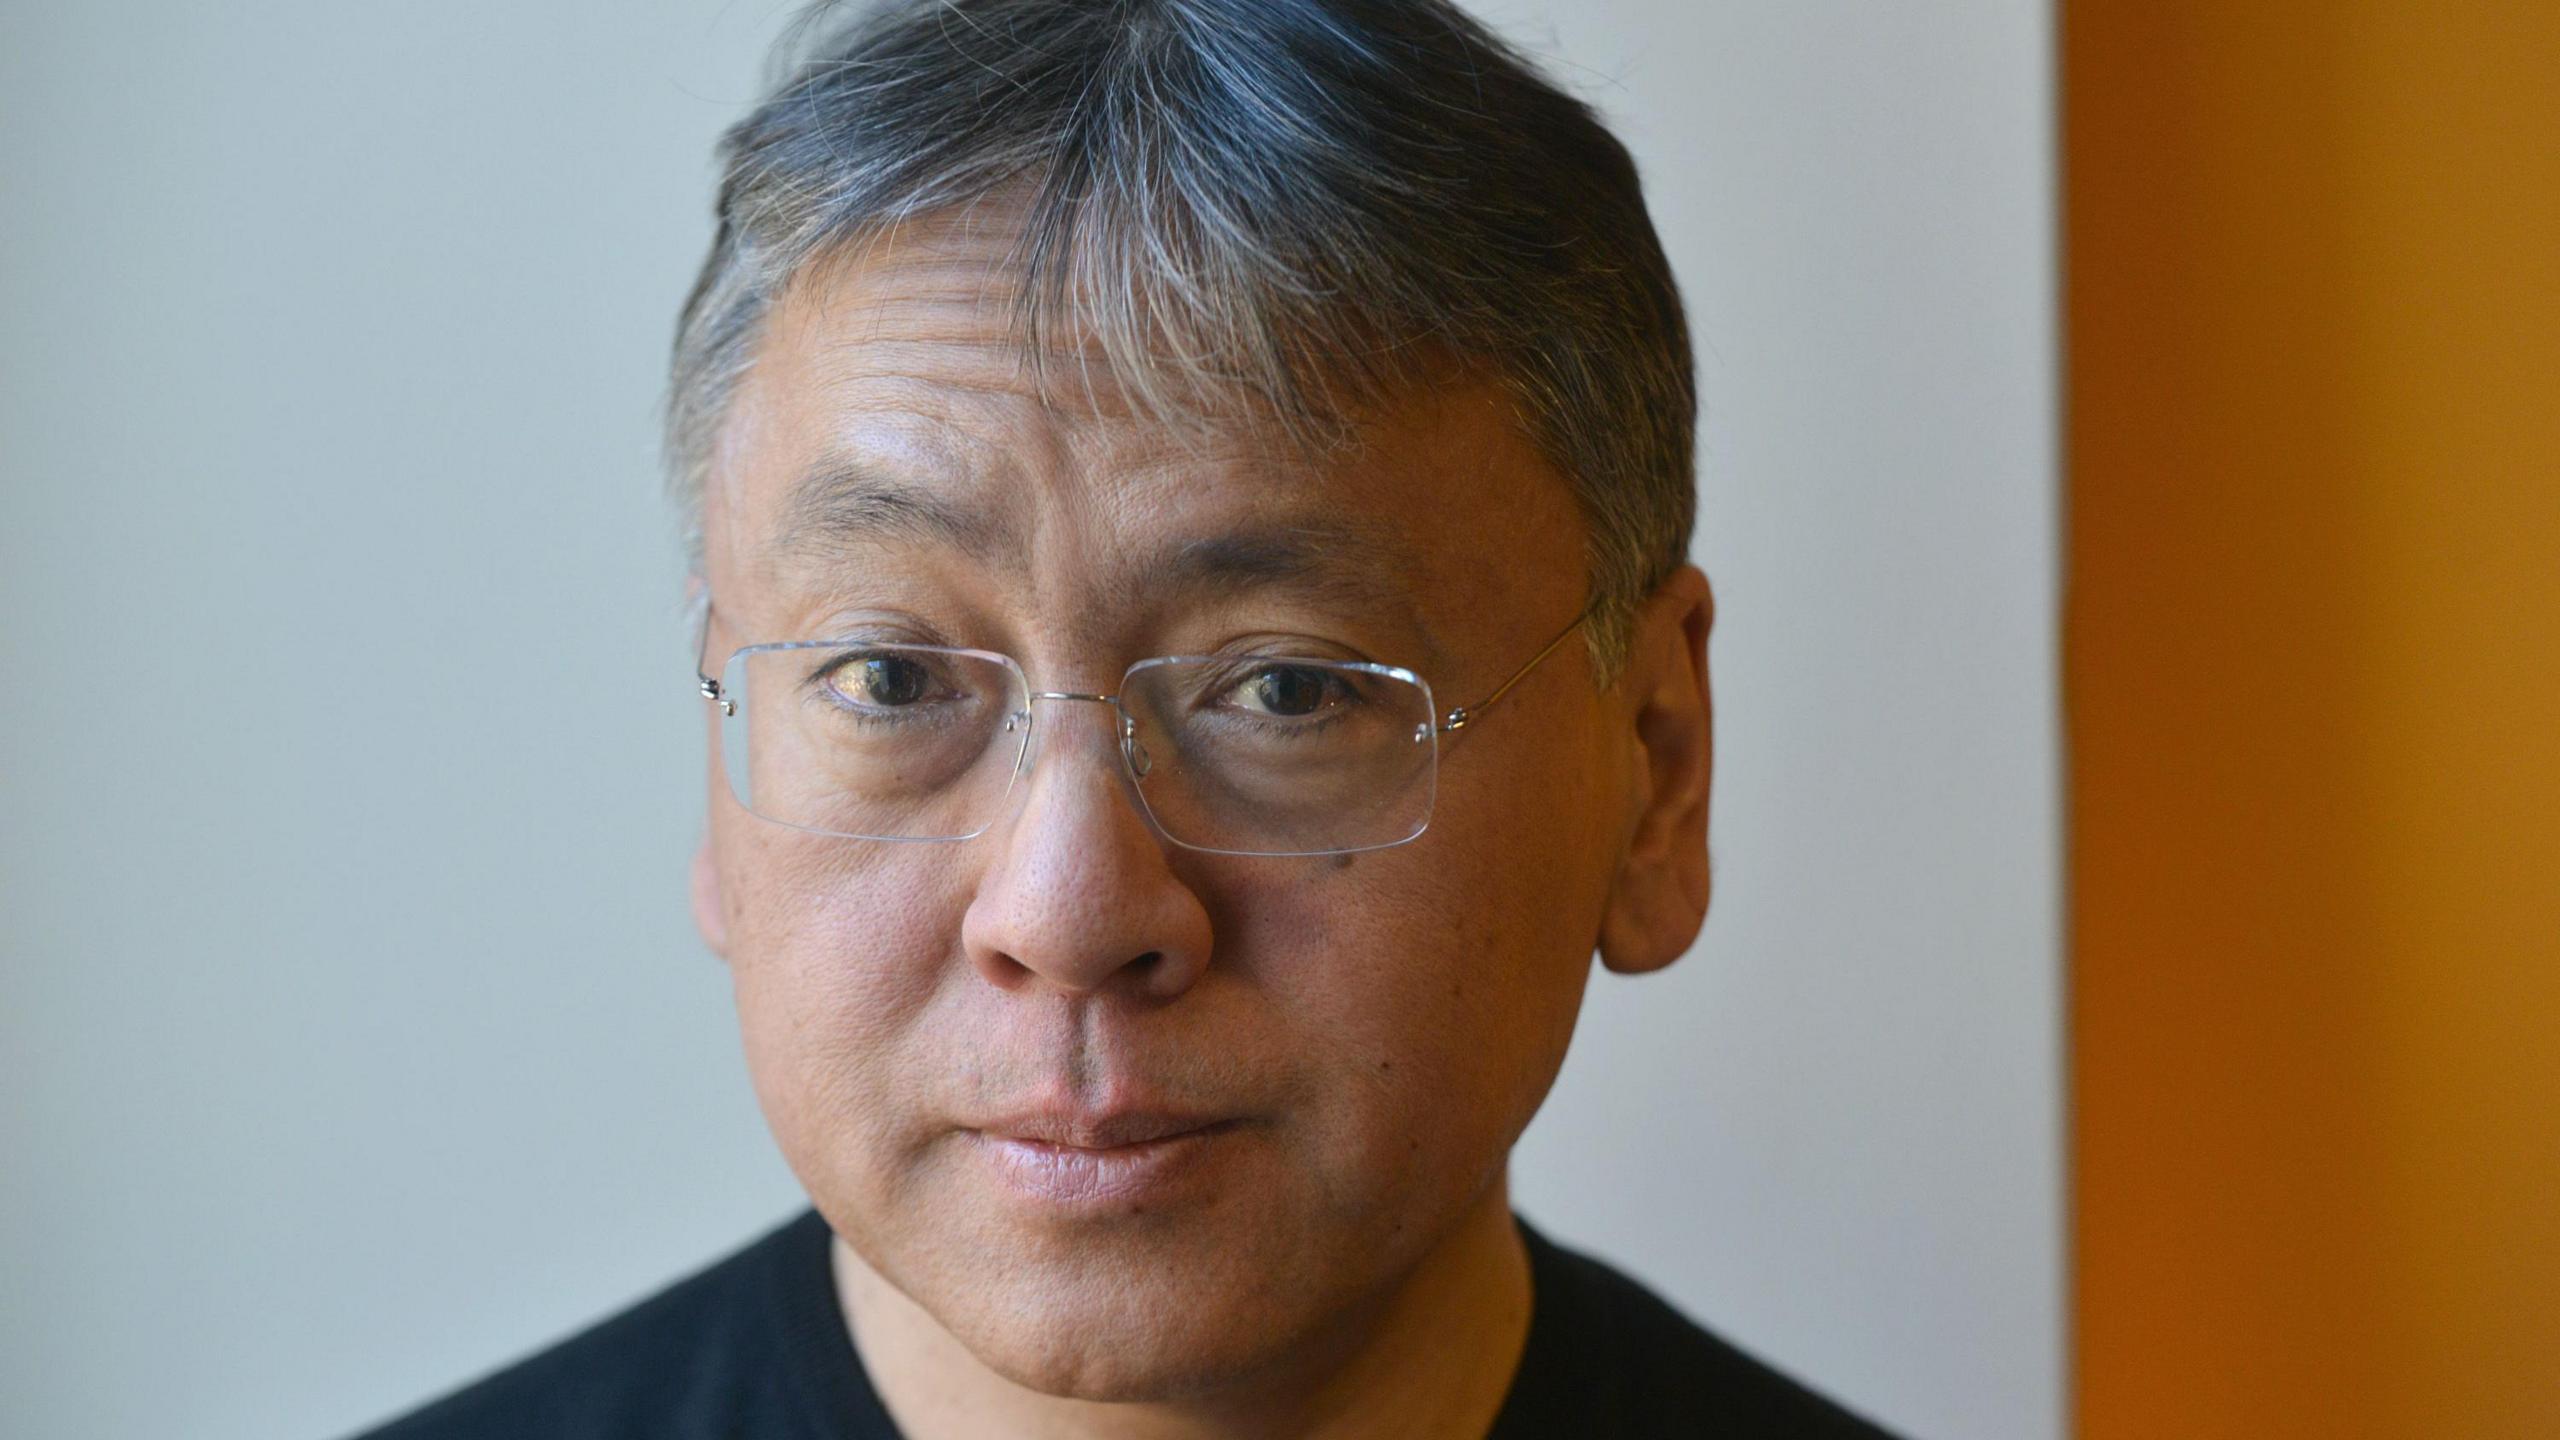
1287	691
882	681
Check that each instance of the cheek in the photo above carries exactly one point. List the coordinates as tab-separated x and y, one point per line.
1431	994
835	954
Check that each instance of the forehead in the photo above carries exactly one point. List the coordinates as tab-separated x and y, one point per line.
890	407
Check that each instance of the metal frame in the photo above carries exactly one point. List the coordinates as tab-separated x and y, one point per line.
1456	720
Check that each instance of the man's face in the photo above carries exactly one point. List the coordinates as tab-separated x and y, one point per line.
1345	1047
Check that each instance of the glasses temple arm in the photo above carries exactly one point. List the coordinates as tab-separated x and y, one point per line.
708	687
1457	719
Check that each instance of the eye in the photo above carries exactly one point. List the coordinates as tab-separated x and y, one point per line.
1287	692
880	682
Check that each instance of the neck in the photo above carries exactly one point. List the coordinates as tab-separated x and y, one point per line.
1434	1355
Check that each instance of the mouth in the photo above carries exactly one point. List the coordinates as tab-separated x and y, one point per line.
1059	1159
1099	1130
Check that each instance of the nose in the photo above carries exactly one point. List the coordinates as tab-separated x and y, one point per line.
1077	894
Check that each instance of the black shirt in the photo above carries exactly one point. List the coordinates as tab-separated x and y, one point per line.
755	1348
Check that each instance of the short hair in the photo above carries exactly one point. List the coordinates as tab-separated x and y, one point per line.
1301	202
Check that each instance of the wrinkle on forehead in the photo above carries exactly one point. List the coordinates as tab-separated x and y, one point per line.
907	339
952	279
889	412
844	512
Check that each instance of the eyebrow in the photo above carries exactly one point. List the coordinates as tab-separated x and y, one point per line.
841	504
1333	559
1338	562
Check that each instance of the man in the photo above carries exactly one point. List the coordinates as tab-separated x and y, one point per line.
1198	655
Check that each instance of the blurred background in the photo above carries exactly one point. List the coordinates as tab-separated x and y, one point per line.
353	1033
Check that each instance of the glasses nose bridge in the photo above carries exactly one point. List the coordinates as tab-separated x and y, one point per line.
1127	724
1133	752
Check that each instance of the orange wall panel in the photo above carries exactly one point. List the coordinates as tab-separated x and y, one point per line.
2313	676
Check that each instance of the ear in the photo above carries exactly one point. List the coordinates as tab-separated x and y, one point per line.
710	912
1658	900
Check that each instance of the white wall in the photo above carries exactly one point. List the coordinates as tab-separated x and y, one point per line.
352	1034
1834	1130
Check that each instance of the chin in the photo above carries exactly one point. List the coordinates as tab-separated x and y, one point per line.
1182	1304
1131	1338
1096	1370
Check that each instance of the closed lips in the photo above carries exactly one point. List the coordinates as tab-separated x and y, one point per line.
1102	1132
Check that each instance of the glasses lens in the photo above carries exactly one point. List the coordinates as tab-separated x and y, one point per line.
1270	755
886	742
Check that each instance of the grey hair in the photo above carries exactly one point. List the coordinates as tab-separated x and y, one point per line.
1302	202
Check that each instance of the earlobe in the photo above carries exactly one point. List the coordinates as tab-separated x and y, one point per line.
710	911
1658	899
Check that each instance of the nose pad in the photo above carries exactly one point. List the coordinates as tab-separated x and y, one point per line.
1016	722
1134	749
